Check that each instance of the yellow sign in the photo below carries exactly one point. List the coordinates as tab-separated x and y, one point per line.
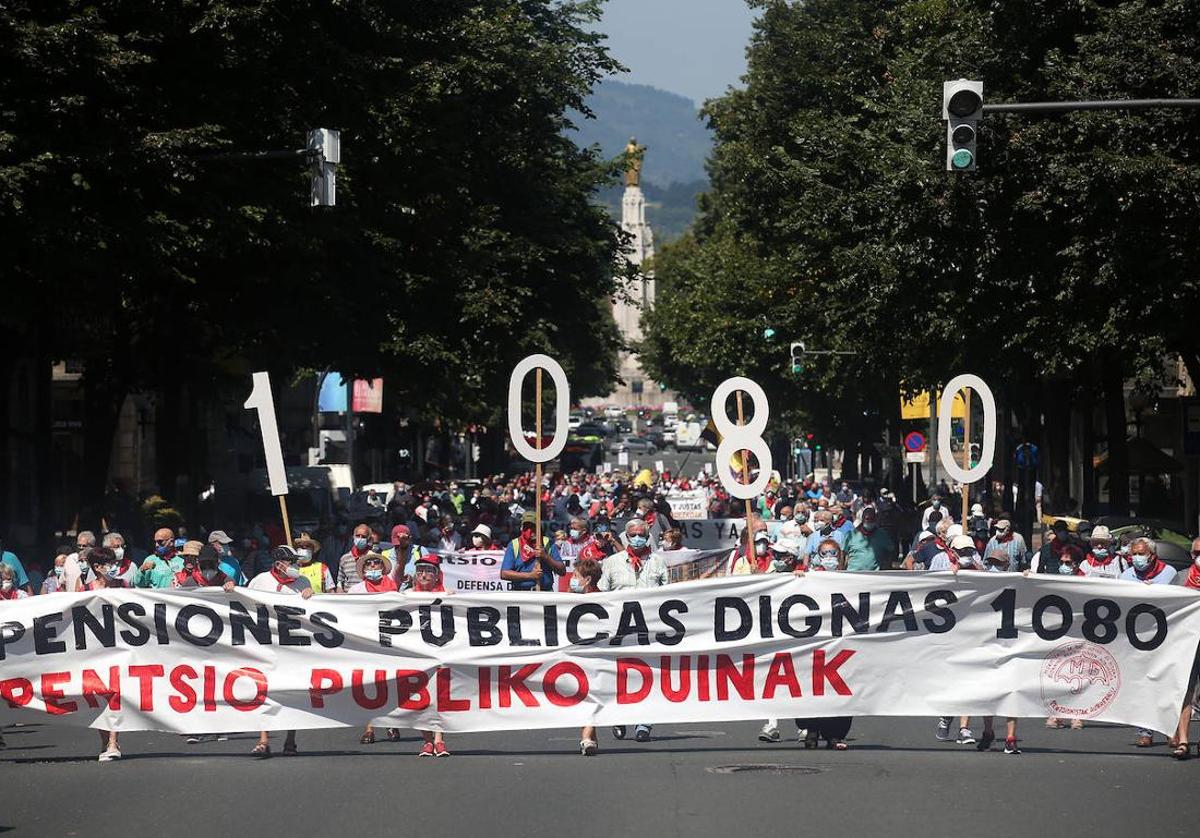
918	406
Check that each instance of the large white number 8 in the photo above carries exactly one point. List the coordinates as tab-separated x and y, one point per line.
562	407
742	437
945	406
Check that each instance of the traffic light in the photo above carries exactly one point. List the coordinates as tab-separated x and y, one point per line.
325	147
962	108
768	333
797	358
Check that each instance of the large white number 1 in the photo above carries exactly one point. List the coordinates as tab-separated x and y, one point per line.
945	406
742	437
260	400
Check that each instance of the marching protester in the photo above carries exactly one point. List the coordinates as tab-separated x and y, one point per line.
867	546
311	568
375	570
1102	560
8	584
427	579
283	577
833	729
1008	541
227	562
1179	742
1146	567
585	579
56	581
404	555
449	540
103	574
158	570
362	543
529	566
633	568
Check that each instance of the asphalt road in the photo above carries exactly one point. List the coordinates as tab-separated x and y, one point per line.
691	780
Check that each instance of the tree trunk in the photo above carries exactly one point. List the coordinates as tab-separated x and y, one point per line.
102	400
1118	446
1056	454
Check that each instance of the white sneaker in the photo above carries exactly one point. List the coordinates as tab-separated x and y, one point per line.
943	729
769	733
109	755
801	734
965	737
587	747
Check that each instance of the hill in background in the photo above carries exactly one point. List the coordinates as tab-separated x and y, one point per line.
676	141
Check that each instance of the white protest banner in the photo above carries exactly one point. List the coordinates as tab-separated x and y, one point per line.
688	506
710	533
472	570
770	645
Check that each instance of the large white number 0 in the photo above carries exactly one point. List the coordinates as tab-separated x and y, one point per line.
562	407
742	437
945	406
260	400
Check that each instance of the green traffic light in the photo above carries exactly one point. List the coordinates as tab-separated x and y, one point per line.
768	333
797	369
962	159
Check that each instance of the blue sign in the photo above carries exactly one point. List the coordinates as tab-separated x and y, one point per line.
914	441
1027	455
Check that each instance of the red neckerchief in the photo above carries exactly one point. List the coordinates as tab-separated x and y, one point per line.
282	580
1004	539
354	551
125	566
762	562
1151	571
1193	577
841	519
636	556
11	594
650	518
196	576
529	552
384	585
439	588
1095	562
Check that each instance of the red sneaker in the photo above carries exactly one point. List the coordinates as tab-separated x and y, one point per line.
439	749
426	750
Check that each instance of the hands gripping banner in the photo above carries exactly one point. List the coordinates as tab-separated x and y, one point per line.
772	645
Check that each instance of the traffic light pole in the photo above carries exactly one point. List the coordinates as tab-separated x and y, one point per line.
1102	105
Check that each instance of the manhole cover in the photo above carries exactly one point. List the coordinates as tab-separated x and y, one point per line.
768	767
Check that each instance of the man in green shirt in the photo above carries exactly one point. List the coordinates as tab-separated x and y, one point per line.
868	547
158	570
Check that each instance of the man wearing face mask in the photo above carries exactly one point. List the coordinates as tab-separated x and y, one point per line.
822	528
404	555
206	573
869	547
1102	560
317	574
1010	543
1146	566
227	562
362	543
189	574
632	568
1059	549
283	577
935	505
127	570
158	571
527	565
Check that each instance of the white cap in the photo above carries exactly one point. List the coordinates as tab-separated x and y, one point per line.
924	535
1101	533
962	542
482	529
977	509
786	545
762	535
954	531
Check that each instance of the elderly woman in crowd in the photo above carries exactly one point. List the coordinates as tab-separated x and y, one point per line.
833	729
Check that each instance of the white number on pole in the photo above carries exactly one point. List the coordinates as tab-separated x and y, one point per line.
738	437
261	401
945	407
562	407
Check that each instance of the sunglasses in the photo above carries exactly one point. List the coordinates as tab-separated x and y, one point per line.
163	542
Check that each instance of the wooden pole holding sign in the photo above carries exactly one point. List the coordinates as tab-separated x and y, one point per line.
261	401
746	481
966	457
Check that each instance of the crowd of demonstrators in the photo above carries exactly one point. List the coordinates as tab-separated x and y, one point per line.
601	532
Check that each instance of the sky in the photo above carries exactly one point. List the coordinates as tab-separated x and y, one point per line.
692	47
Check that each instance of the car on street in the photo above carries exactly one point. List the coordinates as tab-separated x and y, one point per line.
634	445
591	429
613	412
574	421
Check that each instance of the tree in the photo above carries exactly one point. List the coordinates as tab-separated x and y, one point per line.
464	236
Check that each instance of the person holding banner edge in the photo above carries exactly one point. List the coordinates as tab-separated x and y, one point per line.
527	566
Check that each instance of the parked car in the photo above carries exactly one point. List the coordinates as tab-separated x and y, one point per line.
634	445
592	429
574	421
622	427
613	412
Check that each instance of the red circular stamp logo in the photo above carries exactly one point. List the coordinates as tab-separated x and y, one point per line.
1079	680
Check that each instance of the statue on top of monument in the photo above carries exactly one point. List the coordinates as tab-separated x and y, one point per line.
634	154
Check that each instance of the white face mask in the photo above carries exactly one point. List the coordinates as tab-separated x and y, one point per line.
305	555
760	548
292	572
119	552
6	585
58	570
577	586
